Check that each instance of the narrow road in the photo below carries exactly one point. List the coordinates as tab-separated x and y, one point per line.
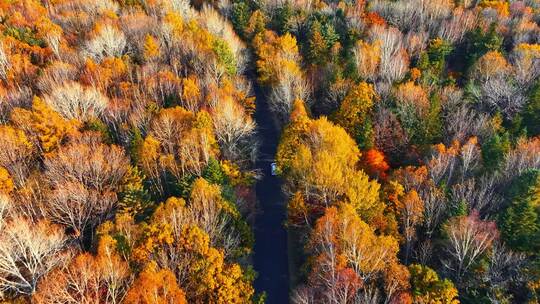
270	252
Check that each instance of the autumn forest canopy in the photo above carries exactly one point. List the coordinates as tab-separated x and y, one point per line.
131	147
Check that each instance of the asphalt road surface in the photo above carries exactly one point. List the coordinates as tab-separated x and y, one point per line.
270	252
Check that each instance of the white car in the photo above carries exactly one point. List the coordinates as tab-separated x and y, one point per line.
273	168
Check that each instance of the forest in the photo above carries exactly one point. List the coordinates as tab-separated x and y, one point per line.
134	139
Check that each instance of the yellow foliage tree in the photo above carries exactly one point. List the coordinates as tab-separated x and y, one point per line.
155	286
212	280
16	153
320	160
46	125
179	143
278	55
491	64
367	58
151	47
190	93
356	107
6	183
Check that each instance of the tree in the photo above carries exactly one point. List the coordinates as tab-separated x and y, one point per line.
6	183
16	153
317	47
355	112
480	42
44	124
201	268
106	41
367	59
520	223
408	208
28	251
240	15
257	23
73	101
235	131
494	150
324	165
191	94
84	179
531	114
154	285
297	210
374	162
179	144
278	65
428	288
151	48
87	278
348	255
468	238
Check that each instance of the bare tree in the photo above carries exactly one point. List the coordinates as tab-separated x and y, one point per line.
479	194
416	43
108	41
73	101
283	94
435	206
525	156
4	210
235	131
87	279
394	59
454	28
443	165
4	62
303	295
389	135
526	64
78	207
17	97
494	87
463	122
28	251
84	179
499	94
56	75
414	14
218	25
469	156
468	238
503	271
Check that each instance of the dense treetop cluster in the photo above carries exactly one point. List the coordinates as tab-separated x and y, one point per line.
410	148
126	154
409	152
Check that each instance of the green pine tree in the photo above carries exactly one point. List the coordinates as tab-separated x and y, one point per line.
213	172
531	113
240	15
317	46
520	222
493	151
